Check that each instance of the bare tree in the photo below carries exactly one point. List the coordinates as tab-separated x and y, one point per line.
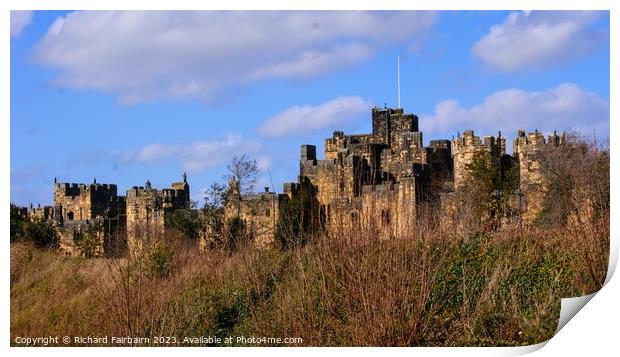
244	171
577	181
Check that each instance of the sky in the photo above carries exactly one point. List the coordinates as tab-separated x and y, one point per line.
130	96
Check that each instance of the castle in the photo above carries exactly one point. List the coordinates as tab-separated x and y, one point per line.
379	180
147	208
375	181
114	220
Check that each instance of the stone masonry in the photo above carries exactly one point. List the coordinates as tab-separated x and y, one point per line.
379	180
114	221
147	208
259	212
375	181
465	147
527	149
78	207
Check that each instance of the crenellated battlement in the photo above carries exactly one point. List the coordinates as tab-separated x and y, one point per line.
147	208
532	142
465	147
469	142
80	205
77	189
80	201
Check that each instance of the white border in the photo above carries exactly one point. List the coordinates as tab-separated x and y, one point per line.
593	329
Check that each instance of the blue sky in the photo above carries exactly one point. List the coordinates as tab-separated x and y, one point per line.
130	96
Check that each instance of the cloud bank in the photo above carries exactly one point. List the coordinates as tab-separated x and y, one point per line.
150	55
540	39
566	107
197	156
308	118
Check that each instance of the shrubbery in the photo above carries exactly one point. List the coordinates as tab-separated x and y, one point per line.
188	221
159	260
88	241
41	233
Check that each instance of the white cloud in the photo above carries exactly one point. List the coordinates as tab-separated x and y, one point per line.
149	55
540	39
566	107
309	118
19	20
313	63
194	157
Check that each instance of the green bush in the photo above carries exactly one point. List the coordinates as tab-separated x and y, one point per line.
88	240
187	221
236	232
18	223
298	220
41	233
492	181
462	279
159	260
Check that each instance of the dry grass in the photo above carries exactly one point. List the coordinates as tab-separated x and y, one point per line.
500	288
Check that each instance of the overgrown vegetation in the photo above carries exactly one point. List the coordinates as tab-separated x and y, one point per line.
297	223
496	284
188	221
41	233
490	187
89	241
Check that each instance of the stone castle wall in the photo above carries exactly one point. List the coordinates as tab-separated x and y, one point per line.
45	213
377	180
83	201
259	212
147	208
80	207
374	179
532	181
464	149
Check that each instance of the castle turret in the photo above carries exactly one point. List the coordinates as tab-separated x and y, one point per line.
527	150
308	153
465	147
82	201
182	193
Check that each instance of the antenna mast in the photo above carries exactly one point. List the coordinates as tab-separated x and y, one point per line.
398	80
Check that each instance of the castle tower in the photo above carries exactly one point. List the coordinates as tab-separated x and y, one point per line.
77	202
532	182
386	121
182	197
78	207
464	149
